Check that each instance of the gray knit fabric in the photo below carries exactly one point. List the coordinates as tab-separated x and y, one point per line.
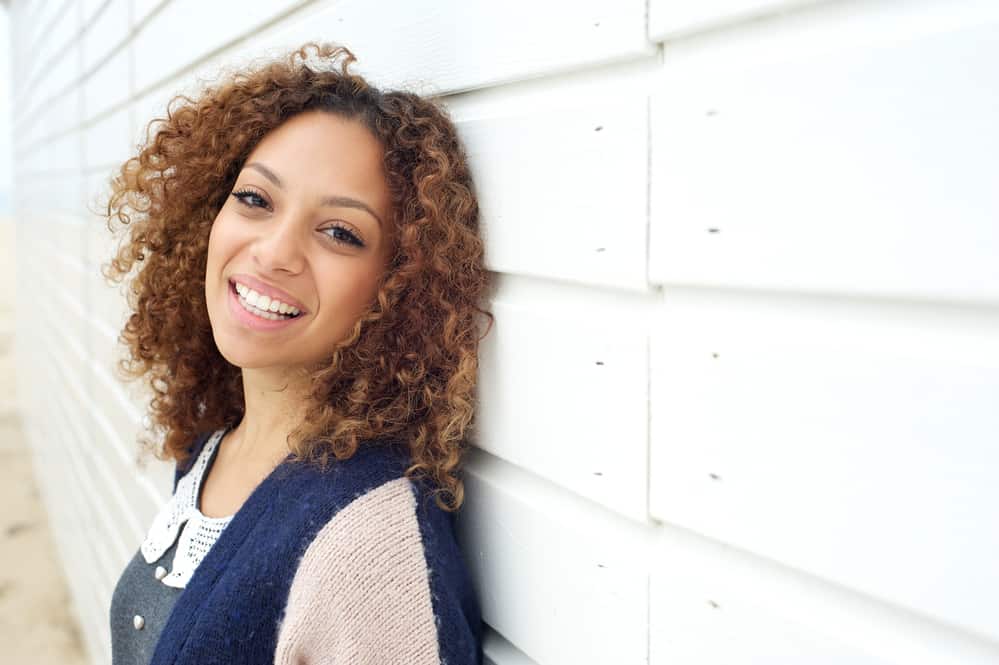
138	592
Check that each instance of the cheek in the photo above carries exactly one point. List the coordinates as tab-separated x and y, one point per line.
221	241
345	294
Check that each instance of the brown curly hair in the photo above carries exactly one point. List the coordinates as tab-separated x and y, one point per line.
407	370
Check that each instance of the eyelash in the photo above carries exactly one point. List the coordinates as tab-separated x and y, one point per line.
351	239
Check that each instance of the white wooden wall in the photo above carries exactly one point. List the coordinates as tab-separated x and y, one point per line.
740	402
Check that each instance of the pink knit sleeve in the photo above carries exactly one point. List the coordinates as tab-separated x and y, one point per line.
361	594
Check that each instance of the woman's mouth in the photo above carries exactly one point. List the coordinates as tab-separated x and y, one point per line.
256	311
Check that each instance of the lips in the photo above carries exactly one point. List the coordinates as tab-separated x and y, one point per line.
265	289
252	321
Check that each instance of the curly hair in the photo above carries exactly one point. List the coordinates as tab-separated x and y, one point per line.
407	369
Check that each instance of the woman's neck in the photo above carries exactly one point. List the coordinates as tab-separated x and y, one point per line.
274	402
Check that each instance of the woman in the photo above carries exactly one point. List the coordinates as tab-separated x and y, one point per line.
305	308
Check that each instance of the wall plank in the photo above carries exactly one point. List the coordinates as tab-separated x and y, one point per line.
549	559
450	45
779	174
564	392
848	439
668	20
564	192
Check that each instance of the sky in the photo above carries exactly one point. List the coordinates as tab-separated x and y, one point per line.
5	162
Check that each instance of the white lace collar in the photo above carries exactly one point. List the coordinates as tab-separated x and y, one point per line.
199	532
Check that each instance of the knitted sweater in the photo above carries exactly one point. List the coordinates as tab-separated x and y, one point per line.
353	565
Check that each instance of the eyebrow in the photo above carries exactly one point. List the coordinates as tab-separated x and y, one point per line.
338	201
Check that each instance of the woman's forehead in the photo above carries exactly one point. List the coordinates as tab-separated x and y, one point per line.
318	140
326	156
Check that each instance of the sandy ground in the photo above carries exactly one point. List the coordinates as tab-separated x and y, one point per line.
36	624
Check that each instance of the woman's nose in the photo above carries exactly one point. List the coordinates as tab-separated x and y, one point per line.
280	245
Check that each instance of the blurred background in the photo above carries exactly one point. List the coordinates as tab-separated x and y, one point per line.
38	622
739	405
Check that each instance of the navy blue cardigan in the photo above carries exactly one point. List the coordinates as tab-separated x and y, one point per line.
232	607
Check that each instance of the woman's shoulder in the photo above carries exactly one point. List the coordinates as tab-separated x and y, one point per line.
389	556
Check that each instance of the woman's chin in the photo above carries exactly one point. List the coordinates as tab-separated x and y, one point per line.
247	358
256	363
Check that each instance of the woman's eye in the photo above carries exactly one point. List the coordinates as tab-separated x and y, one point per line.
341	235
245	195
338	234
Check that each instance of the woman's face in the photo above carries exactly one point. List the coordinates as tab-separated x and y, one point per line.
303	228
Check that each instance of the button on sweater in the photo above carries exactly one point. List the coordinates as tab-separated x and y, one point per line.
139	594
355	564
146	591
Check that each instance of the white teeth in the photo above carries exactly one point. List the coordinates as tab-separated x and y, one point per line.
256	311
264	303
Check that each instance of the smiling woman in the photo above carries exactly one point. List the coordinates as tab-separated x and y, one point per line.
306	274
286	239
